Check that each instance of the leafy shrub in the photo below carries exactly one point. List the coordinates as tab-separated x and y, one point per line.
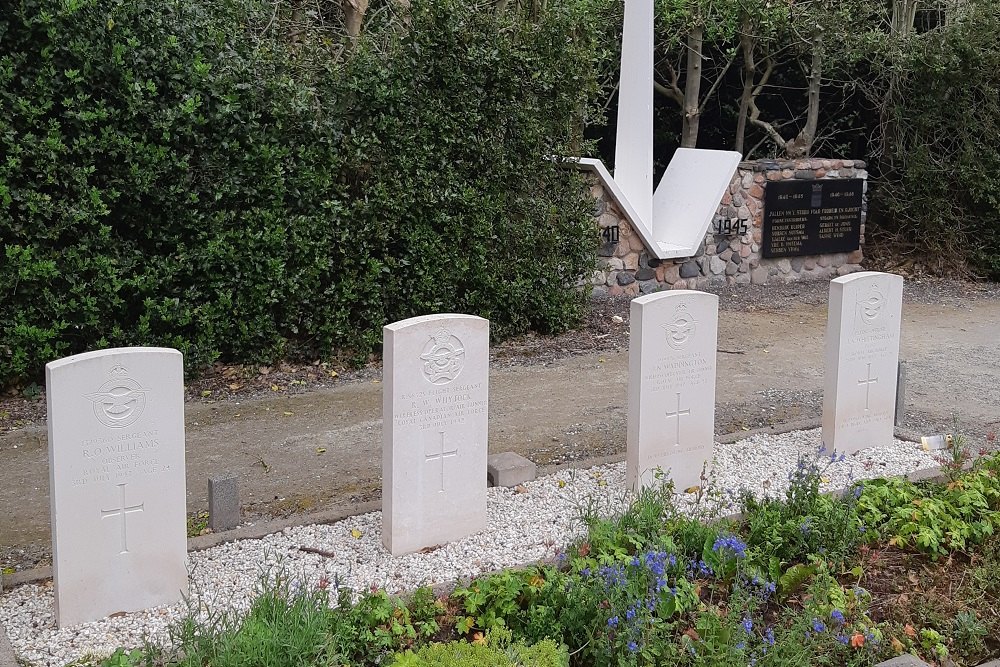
176	173
806	522
940	185
935	518
285	625
496	651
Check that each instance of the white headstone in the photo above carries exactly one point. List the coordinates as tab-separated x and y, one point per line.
116	481
435	400
671	386
862	356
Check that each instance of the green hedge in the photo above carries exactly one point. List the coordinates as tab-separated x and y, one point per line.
177	173
940	188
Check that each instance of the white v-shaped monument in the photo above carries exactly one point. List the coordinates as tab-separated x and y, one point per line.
673	219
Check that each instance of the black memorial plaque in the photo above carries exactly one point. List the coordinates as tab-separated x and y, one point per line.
812	217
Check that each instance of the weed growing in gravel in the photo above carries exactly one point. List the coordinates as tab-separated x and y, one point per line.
806	522
197	524
286	624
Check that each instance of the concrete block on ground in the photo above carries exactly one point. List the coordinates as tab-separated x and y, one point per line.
7	657
223	503
509	469
906	660
900	392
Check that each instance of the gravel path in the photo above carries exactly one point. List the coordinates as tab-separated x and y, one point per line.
525	525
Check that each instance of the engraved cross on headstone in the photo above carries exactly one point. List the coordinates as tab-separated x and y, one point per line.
678	414
868	382
122	510
441	455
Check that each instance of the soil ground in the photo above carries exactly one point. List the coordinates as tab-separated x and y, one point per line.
304	437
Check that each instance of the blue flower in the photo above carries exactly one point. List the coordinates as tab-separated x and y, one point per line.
806	525
857	492
747	624
741	646
632	647
699	567
818	625
635	561
837	616
630	614
769	636
613	622
613	575
585	572
730	543
843	639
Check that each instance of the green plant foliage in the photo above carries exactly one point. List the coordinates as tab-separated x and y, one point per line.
285	625
806	522
936	519
720	602
379	624
940	188
177	174
496	651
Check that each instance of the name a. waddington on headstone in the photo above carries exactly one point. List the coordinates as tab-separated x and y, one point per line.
862	358
435	403
117	485
671	387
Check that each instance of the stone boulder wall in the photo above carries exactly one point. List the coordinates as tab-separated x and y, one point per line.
627	267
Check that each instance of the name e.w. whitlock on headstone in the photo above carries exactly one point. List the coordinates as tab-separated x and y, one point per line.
862	357
116	476
435	400
671	386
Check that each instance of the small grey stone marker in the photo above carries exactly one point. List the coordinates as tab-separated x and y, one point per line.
7	658
223	503
900	391
905	660
509	469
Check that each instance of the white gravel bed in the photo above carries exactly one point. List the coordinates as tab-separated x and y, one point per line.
523	526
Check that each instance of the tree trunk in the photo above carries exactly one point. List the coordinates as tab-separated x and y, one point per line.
692	87
749	71
354	16
801	146
904	13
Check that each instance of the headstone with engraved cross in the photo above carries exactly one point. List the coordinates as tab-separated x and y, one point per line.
671	386
862	359
434	426
116	481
